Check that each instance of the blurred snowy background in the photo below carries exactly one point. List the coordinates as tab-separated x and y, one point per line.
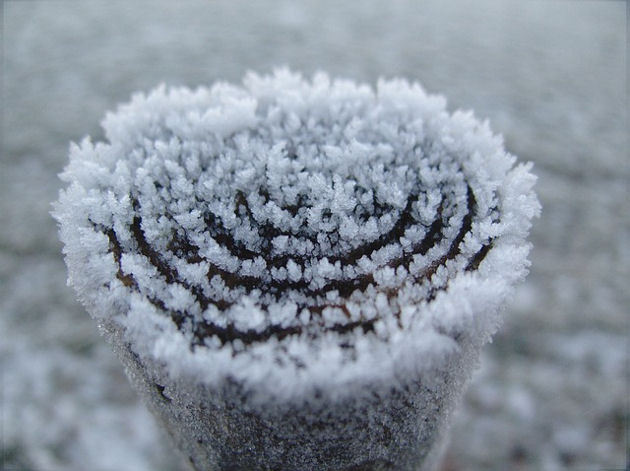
552	391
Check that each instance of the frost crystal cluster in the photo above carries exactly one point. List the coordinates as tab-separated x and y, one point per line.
292	233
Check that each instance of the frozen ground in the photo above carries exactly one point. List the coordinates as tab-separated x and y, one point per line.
552	389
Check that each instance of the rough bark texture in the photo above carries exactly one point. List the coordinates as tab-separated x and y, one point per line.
398	427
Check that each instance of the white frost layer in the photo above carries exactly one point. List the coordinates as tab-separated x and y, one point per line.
304	172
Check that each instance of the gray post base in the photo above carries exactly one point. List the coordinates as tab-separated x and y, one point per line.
401	427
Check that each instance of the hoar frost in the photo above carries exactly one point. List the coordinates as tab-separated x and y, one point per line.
290	233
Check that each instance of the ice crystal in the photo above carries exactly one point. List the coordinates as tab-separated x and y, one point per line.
290	233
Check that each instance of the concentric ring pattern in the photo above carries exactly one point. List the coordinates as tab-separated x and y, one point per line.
288	208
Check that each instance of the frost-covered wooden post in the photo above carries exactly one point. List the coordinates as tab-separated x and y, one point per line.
297	274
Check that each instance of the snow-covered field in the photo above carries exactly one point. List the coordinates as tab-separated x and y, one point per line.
552	389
